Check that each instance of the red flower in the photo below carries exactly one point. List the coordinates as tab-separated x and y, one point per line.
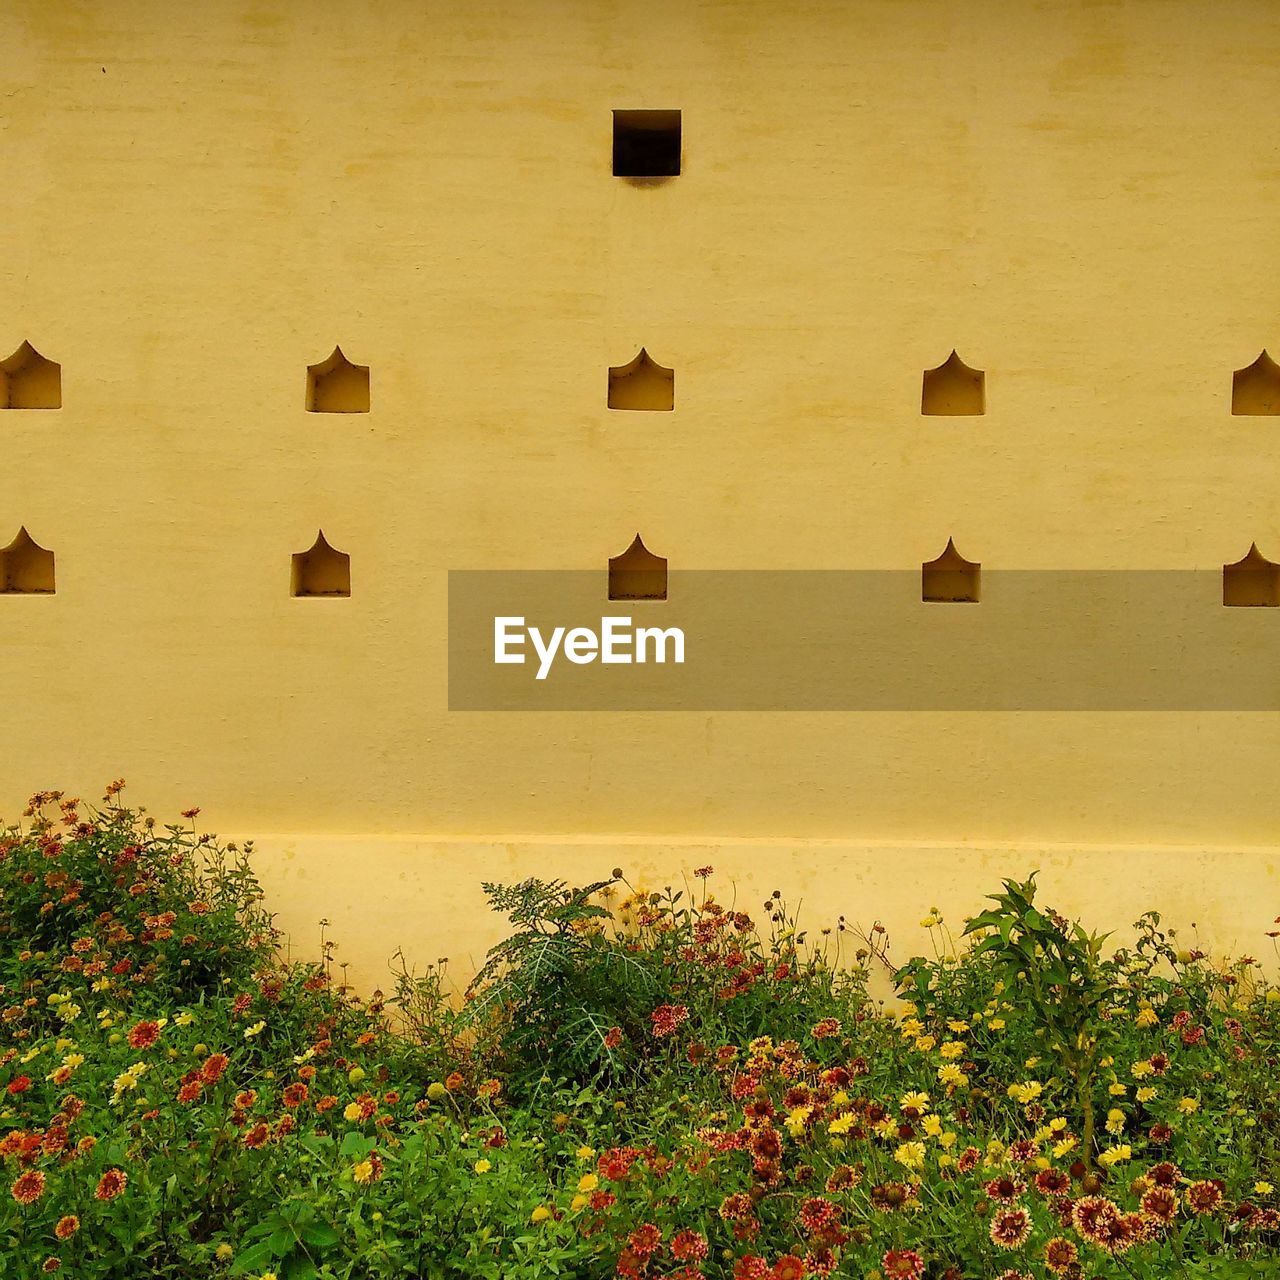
613	1038
1204	1197
19	1084
668	1018
788	1267
111	1184
189	1092
67	1226
645	1240
143	1035
689	1246
902	1264
295	1095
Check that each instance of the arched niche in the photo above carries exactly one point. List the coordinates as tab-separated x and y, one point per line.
1253	581
1255	389
26	569
336	385
637	574
29	381
953	389
642	384
321	571
950	579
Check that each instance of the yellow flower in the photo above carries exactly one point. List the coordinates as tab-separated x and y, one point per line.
224	1252
1115	1120
910	1155
355	1075
256	1030
363	1171
184	1019
1141	1069
795	1122
911	1027
953	1049
1262	1188
1147	1017
1026	1093
887	1128
1117	1090
268	1275
947	1141
482	1166
841	1124
1188	1106
996	1024
1146	1094
578	1203
917	1101
540	1214
352	1111
932	1125
1060	1149
924	1044
585	1153
1116	1155
588	1182
950	1074
1030	1063
958	1027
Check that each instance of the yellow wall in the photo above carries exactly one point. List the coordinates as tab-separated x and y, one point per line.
198	203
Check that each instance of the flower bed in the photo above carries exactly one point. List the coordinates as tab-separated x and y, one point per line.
637	1084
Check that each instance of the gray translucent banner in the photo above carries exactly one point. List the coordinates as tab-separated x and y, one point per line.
864	640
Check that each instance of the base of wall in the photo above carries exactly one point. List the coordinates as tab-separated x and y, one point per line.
423	895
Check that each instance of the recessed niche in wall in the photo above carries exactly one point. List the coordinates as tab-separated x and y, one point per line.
642	384
29	381
637	574
1253	581
1255	389
646	144
336	385
25	568
950	579
953	389
321	571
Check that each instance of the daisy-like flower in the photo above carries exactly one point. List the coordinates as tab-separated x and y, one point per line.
902	1264
143	1035
1060	1255
214	1065
1203	1197
667	1019
817	1213
914	1104
111	1184
67	1226
29	1187
1160	1204
788	1267
1010	1228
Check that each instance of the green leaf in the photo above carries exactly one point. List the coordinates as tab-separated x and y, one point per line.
257	1258
319	1235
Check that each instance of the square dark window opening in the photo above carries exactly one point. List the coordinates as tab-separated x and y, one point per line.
646	144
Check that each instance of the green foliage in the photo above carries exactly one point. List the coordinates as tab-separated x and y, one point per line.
643	1084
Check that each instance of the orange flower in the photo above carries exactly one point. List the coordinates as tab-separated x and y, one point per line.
29	1187
111	1184
143	1035
214	1065
67	1226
